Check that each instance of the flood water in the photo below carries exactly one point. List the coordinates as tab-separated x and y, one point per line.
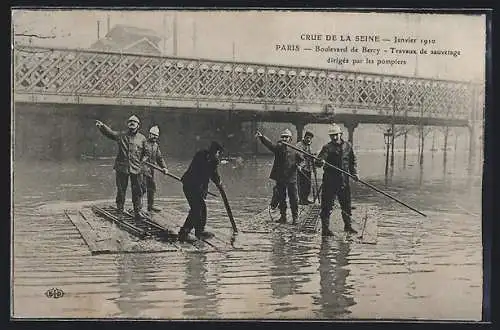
421	267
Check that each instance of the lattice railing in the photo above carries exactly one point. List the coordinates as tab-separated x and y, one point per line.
39	70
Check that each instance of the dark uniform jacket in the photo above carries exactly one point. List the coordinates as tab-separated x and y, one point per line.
307	163
131	149
341	156
285	161
152	155
203	168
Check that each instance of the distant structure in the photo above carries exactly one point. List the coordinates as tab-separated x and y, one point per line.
126	38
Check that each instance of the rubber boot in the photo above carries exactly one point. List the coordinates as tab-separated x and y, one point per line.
348	229
325	231
204	235
347	225
154	209
183	235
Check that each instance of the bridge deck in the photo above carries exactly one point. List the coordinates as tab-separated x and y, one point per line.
91	77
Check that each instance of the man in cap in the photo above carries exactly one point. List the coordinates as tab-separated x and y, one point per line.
339	153
203	168
152	155
131	150
305	169
284	172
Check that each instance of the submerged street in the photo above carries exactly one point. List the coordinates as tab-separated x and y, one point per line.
421	267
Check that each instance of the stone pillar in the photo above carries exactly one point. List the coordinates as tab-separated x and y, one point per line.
445	147
299	126
350	131
254	128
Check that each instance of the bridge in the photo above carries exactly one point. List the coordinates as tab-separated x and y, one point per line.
299	95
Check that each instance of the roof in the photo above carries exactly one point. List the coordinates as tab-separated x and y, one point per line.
123	37
134	32
143	45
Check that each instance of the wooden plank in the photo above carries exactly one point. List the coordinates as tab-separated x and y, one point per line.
114	239
265	222
88	235
174	220
165	221
129	244
104	244
223	241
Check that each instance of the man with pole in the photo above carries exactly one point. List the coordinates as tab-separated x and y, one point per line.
346	164
305	169
284	172
335	183
203	168
152	155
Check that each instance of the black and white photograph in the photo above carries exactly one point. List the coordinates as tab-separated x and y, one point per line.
256	164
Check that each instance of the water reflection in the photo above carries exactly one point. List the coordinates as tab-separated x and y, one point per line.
283	270
201	301
335	297
136	276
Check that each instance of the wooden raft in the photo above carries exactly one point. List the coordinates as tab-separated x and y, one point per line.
309	222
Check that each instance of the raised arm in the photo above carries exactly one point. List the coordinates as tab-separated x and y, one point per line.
266	142
106	130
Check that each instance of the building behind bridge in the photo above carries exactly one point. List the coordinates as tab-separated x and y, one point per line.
124	38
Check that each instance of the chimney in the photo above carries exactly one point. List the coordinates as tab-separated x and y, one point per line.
98	32
109	24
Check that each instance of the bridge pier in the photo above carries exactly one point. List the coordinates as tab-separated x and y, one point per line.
299	126
445	147
350	131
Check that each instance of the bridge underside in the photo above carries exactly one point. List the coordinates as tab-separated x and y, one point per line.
275	113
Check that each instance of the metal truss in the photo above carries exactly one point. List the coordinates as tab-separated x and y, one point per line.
83	76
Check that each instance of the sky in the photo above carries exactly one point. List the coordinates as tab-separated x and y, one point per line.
252	36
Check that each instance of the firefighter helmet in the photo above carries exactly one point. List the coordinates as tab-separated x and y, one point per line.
134	118
286	132
154	130
334	129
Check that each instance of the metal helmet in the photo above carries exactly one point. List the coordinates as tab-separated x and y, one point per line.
286	132
134	118
154	130
334	129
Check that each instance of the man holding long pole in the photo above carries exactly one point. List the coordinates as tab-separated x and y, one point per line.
349	170
195	180
335	183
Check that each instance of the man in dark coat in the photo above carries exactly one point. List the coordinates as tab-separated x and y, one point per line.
284	172
305	169
153	155
128	162
203	168
339	153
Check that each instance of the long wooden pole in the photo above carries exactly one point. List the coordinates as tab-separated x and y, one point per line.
156	167
350	175
221	190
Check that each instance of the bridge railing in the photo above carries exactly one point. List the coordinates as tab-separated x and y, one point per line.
86	73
